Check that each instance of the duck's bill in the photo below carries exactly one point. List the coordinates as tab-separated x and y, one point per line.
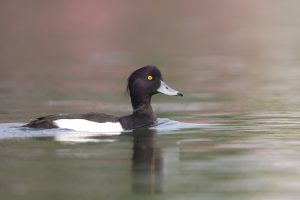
165	89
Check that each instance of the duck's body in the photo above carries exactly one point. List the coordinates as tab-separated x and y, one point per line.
142	85
94	121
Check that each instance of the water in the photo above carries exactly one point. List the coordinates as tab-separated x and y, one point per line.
234	135
239	161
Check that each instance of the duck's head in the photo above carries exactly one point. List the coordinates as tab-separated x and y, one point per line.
145	82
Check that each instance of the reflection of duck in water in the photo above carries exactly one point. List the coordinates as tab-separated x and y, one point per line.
142	85
146	163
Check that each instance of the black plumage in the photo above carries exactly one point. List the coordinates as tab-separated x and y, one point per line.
142	84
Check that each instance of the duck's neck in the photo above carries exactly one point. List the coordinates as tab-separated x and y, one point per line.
143	108
142	116
141	105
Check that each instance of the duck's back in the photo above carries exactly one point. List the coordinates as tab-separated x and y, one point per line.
51	121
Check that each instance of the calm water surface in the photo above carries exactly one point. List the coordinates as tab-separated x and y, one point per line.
234	135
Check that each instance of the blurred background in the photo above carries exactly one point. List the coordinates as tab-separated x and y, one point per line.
74	56
237	63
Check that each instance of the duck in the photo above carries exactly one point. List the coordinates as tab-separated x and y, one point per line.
142	84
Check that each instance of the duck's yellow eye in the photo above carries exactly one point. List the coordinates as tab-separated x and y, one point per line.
150	77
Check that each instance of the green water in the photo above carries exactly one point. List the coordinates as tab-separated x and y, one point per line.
236	62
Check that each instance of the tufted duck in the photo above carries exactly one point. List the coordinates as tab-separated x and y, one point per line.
142	84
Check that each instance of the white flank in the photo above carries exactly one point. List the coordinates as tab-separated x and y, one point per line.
89	126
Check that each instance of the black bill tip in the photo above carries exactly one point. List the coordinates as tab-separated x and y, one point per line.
179	94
